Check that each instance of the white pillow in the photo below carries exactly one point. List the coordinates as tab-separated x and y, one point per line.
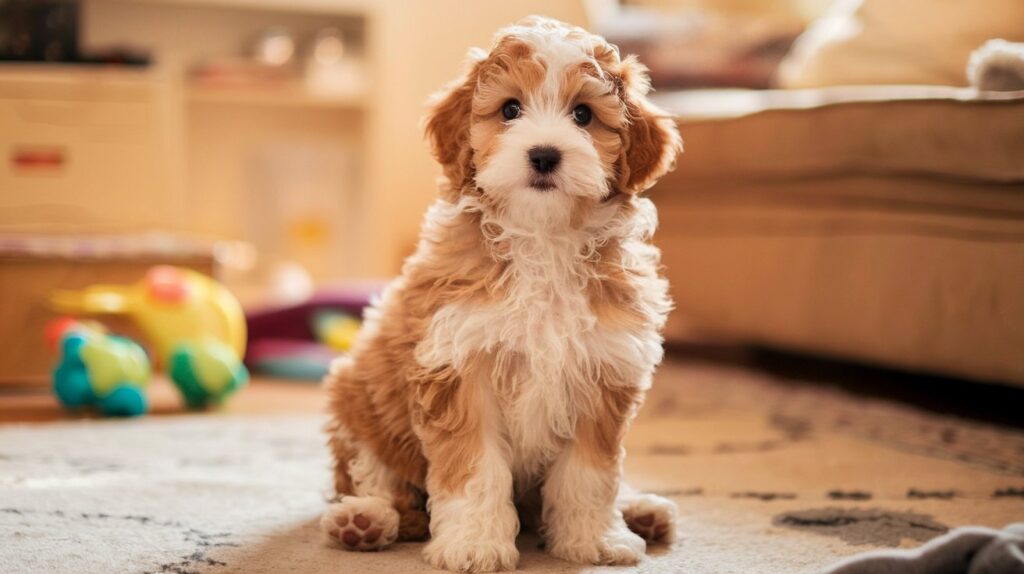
898	41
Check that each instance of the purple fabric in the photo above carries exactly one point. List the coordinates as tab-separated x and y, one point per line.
295	322
290	359
270	349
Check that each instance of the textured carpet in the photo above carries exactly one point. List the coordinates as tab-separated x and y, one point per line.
770	476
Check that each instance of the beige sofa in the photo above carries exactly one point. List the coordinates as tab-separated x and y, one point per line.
883	224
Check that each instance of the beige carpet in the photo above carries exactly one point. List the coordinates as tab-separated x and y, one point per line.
770	477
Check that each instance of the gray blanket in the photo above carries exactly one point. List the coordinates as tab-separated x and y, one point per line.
967	550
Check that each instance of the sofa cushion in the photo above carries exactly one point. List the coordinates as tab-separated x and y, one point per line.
784	134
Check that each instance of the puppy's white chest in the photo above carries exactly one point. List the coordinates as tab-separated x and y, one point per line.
545	349
546	352
538	317
536	336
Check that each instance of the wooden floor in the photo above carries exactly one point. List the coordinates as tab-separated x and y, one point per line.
38	404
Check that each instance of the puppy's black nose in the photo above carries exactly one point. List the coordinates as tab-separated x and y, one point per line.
544	158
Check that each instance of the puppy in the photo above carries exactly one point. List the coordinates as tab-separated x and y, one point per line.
503	366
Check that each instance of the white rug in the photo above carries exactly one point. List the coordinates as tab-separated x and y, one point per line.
769	478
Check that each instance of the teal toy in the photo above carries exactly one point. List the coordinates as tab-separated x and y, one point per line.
205	372
105	371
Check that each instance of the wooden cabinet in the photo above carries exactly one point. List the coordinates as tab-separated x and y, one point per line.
85	150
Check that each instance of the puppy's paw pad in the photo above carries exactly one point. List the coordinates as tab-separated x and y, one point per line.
361	523
651	516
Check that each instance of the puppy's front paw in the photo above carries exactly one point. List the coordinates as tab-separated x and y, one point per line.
652	517
618	546
361	523
478	555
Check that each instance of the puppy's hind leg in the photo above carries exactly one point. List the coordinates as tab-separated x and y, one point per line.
361	523
651	516
367	514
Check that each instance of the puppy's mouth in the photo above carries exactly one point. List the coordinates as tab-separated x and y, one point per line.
542	183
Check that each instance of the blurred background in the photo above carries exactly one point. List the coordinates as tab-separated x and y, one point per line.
845	190
198	198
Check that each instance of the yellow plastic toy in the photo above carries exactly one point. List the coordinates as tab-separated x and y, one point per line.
194	325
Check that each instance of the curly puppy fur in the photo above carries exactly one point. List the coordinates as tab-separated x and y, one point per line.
504	365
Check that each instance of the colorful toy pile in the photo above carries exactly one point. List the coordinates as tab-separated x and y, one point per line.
194	325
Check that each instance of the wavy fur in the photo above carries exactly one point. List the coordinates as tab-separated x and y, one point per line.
507	359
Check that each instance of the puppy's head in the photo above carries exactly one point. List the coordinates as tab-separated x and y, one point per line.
550	119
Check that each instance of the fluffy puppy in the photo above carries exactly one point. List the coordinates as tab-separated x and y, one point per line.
502	368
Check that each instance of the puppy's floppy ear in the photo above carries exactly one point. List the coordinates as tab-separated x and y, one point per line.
447	126
650	142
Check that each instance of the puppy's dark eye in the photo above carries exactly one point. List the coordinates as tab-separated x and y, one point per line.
511	110
582	115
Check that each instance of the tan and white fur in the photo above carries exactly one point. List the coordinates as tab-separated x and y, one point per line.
493	381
